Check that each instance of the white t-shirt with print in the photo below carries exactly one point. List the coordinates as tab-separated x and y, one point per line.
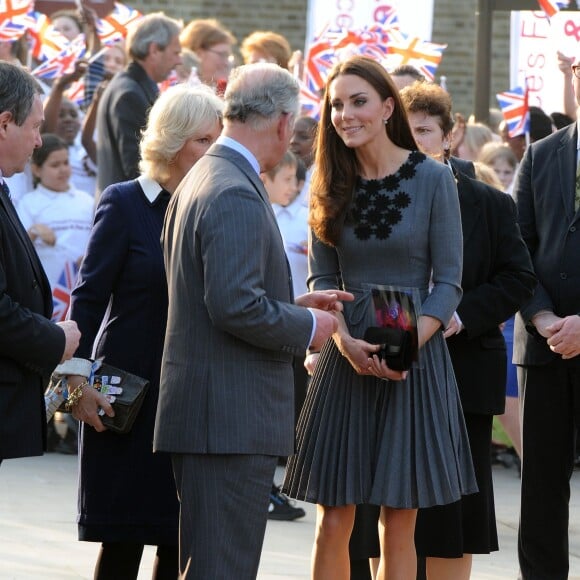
69	214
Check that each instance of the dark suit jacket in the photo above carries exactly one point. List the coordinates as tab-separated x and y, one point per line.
463	166
544	192
121	116
30	345
226	378
497	279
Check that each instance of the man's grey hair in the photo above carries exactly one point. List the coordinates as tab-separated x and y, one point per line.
154	28
259	93
17	91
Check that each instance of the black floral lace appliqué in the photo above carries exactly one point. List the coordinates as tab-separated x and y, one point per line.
379	203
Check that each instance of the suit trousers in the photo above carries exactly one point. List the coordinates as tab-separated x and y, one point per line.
223	513
550	395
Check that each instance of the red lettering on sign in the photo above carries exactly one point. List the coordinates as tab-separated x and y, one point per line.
344	21
536	60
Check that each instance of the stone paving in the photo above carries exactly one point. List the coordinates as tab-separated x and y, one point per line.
38	531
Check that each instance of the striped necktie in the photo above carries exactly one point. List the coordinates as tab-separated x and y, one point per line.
6	191
577	193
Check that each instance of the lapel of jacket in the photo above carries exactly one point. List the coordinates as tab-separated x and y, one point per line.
138	74
30	250
469	207
566	154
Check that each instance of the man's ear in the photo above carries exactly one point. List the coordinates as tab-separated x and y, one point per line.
285	125
5	118
152	49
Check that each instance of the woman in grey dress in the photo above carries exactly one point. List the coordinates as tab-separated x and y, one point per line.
381	214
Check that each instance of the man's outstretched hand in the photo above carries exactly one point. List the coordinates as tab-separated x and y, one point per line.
325	299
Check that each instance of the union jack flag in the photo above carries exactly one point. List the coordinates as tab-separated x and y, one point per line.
404	49
172	80
333	46
94	75
514	108
14	18
62	290
63	63
114	27
46	41
549	7
76	93
310	103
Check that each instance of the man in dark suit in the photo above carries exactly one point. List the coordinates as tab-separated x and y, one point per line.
226	405
546	348
154	50
30	344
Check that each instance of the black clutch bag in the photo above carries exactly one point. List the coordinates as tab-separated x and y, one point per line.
396	346
128	403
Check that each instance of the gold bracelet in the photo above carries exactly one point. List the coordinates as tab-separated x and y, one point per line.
75	396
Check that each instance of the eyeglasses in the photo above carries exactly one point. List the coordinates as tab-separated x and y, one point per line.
576	70
222	54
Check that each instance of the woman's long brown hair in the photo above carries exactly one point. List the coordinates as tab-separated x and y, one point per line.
335	165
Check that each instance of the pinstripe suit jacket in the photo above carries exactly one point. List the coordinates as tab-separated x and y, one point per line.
226	376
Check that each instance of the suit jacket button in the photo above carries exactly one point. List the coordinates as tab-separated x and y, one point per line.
563	275
573	229
35	283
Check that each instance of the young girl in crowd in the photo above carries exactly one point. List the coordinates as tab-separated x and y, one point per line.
57	217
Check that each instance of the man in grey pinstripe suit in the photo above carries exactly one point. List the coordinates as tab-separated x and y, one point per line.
226	395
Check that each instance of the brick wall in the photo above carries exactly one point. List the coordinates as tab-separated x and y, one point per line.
287	17
453	23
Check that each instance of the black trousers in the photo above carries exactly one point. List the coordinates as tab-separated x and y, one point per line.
550	396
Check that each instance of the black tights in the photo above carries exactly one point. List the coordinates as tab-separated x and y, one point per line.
120	561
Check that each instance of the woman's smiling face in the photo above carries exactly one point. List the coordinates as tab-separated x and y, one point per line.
357	112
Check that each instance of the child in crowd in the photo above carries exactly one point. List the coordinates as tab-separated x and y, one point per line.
501	158
280	181
302	145
281	185
57	217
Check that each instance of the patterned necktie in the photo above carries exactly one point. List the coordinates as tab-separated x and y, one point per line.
4	188
577	193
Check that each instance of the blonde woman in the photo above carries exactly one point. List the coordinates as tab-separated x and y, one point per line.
127	495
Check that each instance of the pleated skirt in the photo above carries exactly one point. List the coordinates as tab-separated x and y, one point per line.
401	444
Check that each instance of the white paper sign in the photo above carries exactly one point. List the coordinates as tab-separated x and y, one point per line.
415	16
535	41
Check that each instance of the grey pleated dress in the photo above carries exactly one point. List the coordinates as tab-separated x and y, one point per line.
361	439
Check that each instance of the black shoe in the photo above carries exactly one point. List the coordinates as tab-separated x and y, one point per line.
281	509
67	446
52	437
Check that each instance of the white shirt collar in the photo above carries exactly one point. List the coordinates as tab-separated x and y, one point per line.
150	188
292	208
241	149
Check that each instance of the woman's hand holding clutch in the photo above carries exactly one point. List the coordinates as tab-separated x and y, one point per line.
87	406
378	368
357	352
